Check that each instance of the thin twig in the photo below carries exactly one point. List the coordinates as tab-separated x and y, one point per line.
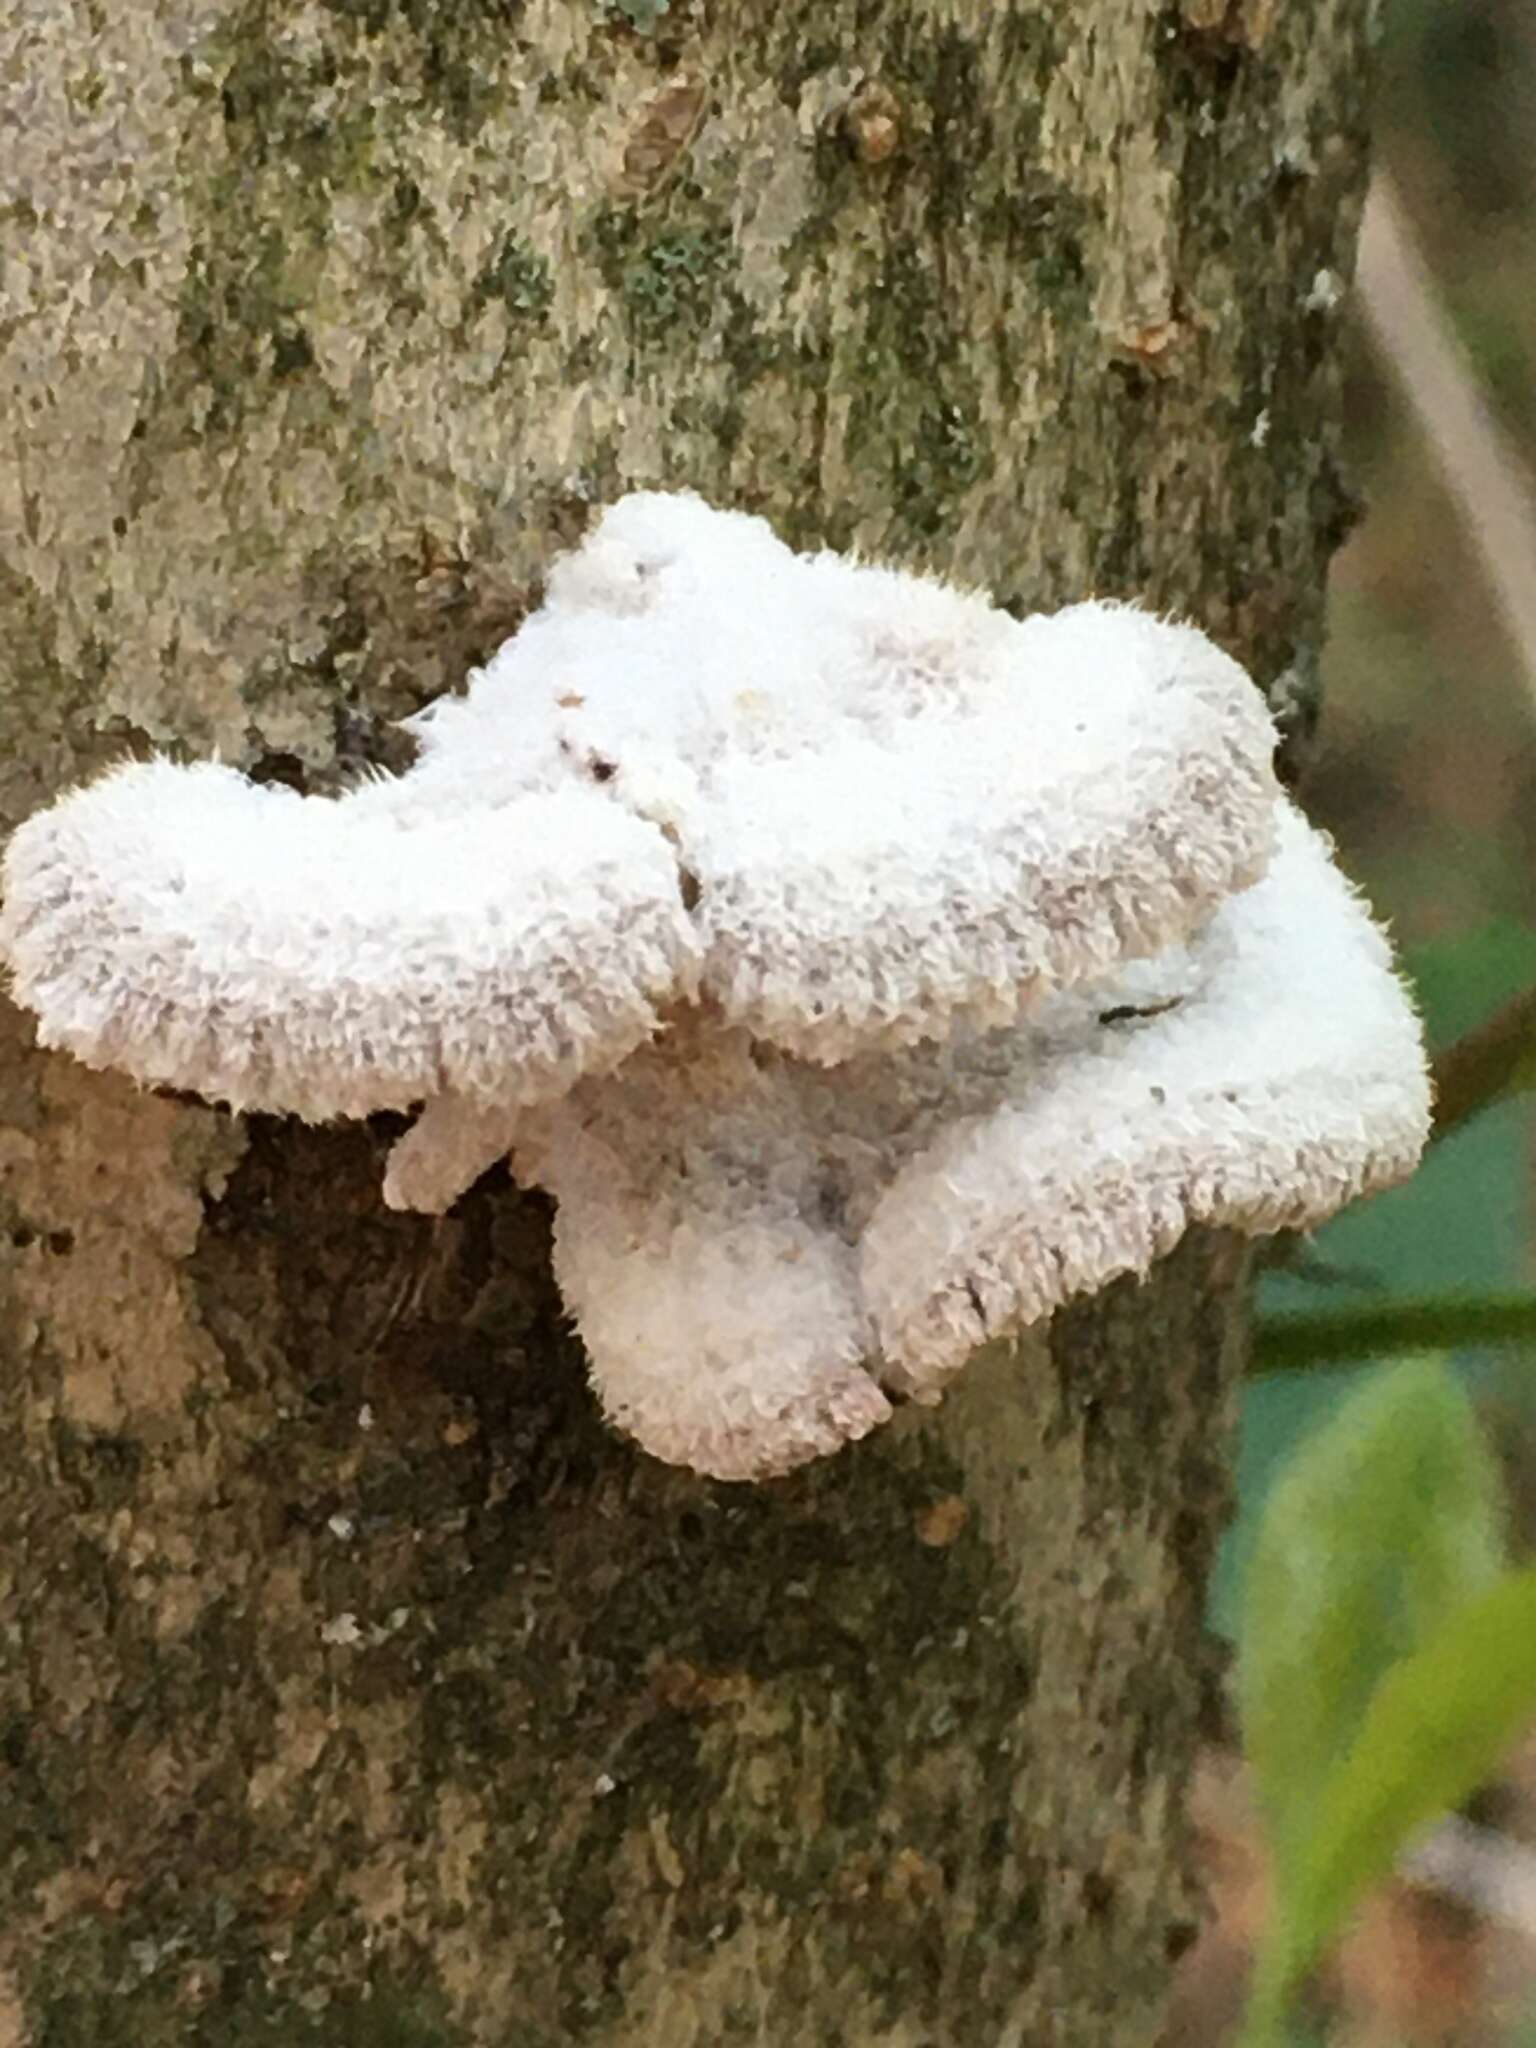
1484	475
1383	1329
1487	1064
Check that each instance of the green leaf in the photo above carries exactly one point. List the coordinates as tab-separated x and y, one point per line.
1382	1524
1438	1724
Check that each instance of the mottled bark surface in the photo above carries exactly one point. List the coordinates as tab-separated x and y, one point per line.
356	1687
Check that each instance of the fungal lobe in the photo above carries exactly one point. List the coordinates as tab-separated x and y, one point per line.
865	972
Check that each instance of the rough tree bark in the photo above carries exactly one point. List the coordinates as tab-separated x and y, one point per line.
357	1687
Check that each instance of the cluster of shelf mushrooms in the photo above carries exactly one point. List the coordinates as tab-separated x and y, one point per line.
865	972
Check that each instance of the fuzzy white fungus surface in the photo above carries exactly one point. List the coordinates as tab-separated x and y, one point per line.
864	971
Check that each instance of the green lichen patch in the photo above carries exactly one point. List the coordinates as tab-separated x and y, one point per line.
98	1466
916	410
265	217
644	16
454	51
302	122
516	277
668	282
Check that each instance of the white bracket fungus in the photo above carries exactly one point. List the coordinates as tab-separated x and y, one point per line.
864	971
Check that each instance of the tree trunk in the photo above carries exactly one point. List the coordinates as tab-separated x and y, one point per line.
357	1686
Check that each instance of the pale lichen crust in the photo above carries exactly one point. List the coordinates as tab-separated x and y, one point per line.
865	972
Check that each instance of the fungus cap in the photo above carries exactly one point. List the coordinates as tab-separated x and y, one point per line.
866	972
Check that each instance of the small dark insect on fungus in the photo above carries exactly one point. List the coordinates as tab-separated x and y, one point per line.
865	972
